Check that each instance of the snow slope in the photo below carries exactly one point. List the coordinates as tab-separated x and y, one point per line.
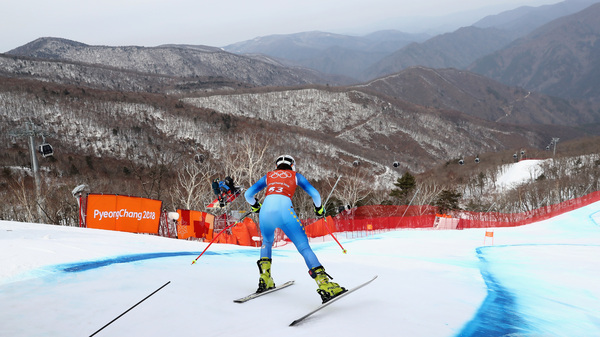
514	174
536	280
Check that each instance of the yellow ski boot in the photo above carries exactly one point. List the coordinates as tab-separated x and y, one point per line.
327	289
265	282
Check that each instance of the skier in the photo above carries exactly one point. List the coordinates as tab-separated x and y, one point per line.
216	188
224	188
277	211
229	182
220	190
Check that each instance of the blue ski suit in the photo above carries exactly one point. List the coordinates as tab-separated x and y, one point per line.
277	211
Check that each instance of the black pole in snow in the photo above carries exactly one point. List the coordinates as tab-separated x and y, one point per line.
109	323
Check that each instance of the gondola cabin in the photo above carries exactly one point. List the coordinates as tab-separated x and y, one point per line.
46	150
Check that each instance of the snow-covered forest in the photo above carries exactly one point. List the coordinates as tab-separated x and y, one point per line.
155	146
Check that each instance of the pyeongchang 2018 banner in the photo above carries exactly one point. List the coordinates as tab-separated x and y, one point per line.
123	213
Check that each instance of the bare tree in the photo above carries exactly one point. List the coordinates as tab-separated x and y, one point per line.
354	187
246	160
153	174
193	188
428	193
26	202
59	206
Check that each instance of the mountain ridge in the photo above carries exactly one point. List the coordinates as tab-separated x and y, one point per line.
559	58
173	61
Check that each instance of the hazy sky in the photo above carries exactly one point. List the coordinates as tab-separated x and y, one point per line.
221	22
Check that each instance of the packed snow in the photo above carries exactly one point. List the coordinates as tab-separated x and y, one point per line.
524	171
536	280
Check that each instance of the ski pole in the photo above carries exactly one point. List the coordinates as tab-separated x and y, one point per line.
333	188
325	216
224	229
333	236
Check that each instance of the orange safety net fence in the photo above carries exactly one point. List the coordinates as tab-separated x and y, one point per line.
194	224
204	226
241	234
493	219
373	218
385	217
103	210
319	227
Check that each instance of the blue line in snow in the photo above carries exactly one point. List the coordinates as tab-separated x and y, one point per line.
498	315
88	265
592	217
83	266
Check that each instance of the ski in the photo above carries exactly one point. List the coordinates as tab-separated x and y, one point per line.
255	295
331	301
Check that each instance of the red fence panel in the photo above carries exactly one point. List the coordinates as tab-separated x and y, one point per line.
388	217
374	218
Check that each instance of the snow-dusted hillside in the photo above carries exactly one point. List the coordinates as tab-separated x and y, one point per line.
374	127
172	60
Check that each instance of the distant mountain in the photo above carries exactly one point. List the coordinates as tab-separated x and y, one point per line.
326	52
386	52
308	44
202	48
457	50
180	61
525	19
109	78
561	58
464	46
475	95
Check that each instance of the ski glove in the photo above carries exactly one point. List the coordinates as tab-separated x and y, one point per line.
319	211
256	207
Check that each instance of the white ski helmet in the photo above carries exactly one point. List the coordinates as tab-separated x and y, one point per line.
286	159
